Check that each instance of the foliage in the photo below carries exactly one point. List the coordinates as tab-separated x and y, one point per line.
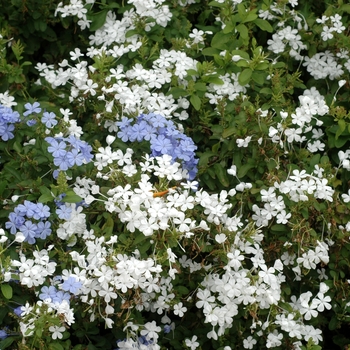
174	175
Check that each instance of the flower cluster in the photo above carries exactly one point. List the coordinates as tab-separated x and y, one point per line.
69	151
8	118
31	220
164	138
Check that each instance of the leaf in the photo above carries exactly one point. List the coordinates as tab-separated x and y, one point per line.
221	174
213	80
243	170
263	25
195	102
210	51
278	228
341	128
204	158
130	33
228	132
243	31
219	40
245	76
177	92
98	20
250	17
266	91
46	197
345	8
259	77
200	86
7	342
56	346
6	290
71	197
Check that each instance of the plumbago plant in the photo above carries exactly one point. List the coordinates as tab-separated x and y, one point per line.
181	180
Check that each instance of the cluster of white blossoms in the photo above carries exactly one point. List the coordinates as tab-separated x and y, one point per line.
131	89
293	128
321	65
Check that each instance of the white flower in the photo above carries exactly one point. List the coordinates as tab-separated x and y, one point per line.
57	332
192	343
179	309
220	238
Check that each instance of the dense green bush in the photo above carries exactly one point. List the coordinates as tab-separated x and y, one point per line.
174	174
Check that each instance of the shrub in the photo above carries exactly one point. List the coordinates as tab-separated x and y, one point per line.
180	180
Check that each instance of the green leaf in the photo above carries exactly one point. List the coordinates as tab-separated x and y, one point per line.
210	51
6	290
266	91
279	228
243	170
245	76
200	86
204	158
221	174
71	197
56	346
46	197
243	31
177	92
263	25
345	8
98	20
341	128
130	33
4	344
195	102
213	80
259	77
228	132
220	39
250	17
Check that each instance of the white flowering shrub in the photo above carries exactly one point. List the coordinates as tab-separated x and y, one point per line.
176	176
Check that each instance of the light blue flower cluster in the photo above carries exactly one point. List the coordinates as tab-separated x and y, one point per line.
69	151
54	295
30	219
164	138
8	118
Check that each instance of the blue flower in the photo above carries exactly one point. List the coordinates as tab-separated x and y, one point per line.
18	311
60	296
64	212
41	211
32	108
43	229
28	209
75	157
57	149
49	119
29	231
167	328
16	221
31	122
48	293
62	162
6	131
3	334
71	285
161	145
